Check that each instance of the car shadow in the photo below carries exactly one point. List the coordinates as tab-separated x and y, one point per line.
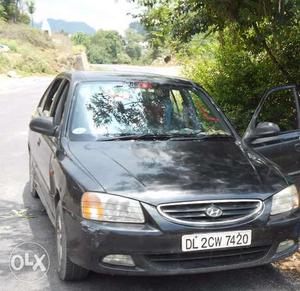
260	278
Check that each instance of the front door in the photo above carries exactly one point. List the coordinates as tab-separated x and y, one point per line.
280	105
42	152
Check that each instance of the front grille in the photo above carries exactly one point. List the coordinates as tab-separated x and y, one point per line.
207	259
195	213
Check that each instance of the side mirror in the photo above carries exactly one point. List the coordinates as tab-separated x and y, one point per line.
43	125
263	129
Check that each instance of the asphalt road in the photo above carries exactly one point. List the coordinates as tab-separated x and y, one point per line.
18	97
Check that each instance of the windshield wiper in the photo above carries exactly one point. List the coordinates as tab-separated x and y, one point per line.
136	137
201	136
173	137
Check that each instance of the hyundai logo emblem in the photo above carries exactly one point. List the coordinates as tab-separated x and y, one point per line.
213	211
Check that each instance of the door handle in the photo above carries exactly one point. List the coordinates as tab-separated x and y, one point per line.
297	147
39	142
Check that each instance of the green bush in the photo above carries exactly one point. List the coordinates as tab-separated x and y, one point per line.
12	44
235	77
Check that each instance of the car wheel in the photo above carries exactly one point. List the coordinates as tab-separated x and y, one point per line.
67	270
32	182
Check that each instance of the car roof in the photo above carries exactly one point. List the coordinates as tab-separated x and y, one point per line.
121	75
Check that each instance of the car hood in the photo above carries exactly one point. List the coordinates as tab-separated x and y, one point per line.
171	171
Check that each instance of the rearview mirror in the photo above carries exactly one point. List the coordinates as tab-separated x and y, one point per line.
263	129
43	125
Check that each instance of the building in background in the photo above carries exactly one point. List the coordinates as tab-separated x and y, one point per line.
46	27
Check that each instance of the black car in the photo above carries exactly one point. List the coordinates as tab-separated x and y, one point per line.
143	175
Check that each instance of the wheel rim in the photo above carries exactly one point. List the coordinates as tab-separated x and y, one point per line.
59	239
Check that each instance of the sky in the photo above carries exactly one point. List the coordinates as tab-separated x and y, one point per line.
100	14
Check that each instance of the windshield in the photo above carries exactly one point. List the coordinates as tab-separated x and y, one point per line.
112	109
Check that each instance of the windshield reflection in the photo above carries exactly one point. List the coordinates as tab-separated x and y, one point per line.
139	108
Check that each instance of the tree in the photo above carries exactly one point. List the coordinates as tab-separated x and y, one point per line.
259	24
156	21
235	48
12	11
31	8
81	38
107	47
2	12
9	9
133	47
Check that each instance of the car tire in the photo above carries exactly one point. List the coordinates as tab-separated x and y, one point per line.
67	270
32	182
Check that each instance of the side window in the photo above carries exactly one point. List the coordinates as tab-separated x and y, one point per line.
280	108
44	97
51	96
58	105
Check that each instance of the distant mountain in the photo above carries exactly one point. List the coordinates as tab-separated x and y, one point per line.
70	27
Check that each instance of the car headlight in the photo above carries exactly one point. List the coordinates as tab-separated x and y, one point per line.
286	200
111	208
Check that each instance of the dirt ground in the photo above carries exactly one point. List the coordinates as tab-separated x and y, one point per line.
291	264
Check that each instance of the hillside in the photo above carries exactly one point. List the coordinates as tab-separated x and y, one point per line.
31	51
69	27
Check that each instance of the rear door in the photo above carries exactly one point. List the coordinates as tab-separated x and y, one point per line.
280	105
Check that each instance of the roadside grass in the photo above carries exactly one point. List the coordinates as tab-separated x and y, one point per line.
25	34
26	60
32	52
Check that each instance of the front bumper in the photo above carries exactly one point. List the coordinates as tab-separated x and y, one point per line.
156	248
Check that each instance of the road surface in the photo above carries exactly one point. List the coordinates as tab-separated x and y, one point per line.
18	97
166	70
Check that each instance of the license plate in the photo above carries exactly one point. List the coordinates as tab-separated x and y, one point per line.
216	240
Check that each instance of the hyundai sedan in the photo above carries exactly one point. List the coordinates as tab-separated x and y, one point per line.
143	174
